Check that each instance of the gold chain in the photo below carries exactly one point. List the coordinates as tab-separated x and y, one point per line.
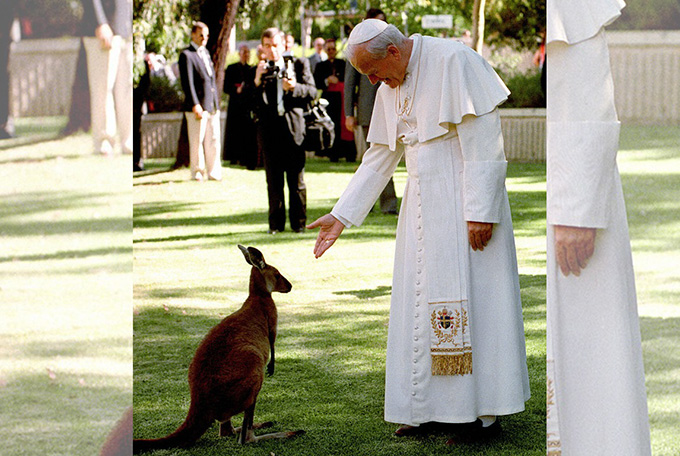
409	100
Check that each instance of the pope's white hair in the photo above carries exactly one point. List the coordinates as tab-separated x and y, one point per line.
377	46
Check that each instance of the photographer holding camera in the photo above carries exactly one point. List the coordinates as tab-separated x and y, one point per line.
284	87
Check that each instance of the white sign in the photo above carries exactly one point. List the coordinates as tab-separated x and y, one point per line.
442	21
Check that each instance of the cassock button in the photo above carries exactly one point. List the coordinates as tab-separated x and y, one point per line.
415	383
415	350
413	393
416	328
416	338
417	315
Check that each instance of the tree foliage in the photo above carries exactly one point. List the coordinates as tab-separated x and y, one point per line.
649	15
164	24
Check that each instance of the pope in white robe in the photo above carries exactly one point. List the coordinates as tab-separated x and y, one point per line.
455	252
596	391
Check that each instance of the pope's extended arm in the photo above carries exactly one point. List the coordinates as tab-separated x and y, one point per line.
331	228
582	145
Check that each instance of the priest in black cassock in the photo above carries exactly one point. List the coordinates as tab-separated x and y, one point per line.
329	77
240	146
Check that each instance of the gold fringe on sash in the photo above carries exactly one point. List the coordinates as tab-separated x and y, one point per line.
452	364
450	347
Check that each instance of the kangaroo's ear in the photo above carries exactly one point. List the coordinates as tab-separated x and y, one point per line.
253	257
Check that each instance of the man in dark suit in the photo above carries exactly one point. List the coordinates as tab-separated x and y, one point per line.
361	93
201	106
240	145
284	87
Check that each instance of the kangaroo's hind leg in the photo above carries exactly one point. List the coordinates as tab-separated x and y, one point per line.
226	428
247	433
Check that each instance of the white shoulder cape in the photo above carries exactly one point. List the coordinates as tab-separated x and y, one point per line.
573	21
453	81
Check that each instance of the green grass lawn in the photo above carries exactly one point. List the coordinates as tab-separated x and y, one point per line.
329	377
649	160
65	292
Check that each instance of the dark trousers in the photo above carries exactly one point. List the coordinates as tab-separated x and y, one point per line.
6	121
284	162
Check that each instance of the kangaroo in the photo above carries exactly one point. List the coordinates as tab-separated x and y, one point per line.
227	371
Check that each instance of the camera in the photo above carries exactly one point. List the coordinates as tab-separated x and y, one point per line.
274	72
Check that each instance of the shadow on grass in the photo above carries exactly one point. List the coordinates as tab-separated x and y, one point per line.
36	202
69	254
34	130
101	347
653	205
53	411
329	381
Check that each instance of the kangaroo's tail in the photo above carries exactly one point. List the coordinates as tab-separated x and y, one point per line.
188	433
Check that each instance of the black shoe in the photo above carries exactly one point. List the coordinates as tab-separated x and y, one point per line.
475	432
270	231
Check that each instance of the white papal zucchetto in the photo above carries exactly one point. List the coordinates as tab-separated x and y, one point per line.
366	30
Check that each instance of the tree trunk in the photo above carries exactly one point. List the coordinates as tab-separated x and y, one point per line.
478	25
220	16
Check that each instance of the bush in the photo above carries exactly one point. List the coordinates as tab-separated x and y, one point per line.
164	95
525	90
49	18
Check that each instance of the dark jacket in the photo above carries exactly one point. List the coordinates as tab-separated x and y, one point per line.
199	87
116	13
360	92
295	103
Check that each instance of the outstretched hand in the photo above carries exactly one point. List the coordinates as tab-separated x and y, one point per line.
573	248
330	231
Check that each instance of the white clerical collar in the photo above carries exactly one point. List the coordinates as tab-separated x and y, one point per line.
415	55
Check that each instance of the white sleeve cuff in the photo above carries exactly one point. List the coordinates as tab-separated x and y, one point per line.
581	165
484	189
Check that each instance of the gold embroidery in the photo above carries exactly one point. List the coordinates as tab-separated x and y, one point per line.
553	440
444	320
450	349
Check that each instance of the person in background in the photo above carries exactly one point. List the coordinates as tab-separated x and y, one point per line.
6	19
240	145
359	96
201	106
319	54
289	45
283	89
109	71
329	77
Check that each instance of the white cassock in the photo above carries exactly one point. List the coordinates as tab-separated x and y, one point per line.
453	147
596	390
